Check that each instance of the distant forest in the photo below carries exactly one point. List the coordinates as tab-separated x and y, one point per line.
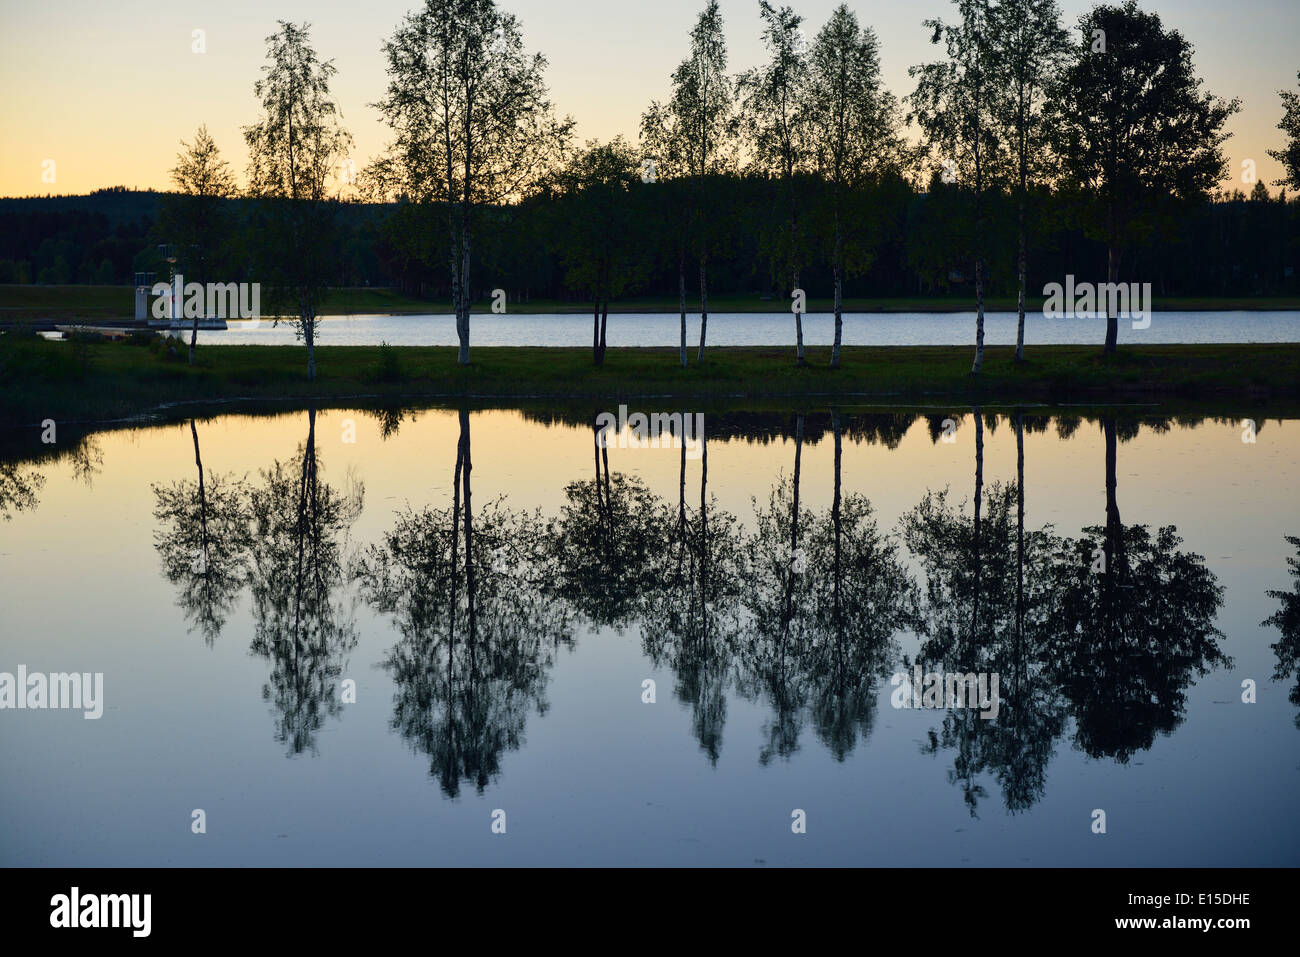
1235	245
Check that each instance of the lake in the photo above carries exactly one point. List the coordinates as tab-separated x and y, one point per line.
383	637
766	329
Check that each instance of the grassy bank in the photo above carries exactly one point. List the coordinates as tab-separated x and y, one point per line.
117	303
84	381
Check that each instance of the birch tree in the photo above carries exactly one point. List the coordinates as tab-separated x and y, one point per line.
955	102
701	112
772	98
664	150
472	124
196	217
1030	50
294	153
853	131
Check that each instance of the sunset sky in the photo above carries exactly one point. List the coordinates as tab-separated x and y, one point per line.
108	90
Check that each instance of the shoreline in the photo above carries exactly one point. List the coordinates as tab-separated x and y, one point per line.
102	382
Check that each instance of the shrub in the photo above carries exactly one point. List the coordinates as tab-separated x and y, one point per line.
390	365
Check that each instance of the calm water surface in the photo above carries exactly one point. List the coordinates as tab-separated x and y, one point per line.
328	548
760	329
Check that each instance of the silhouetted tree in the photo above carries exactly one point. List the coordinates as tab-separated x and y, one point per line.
852	121
1289	154
294	152
472	123
665	149
773	111
699	127
955	103
1029	50
196	217
602	251
1133	128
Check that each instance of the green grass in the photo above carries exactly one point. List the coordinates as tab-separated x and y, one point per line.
117	303
81	381
66	302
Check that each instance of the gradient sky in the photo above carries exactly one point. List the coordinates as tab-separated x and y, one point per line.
107	90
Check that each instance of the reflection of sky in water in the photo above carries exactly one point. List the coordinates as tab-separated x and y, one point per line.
601	777
777	329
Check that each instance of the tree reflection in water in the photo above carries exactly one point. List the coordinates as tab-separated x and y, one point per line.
1097	637
1108	630
1132	634
204	540
1287	620
299	526
472	595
